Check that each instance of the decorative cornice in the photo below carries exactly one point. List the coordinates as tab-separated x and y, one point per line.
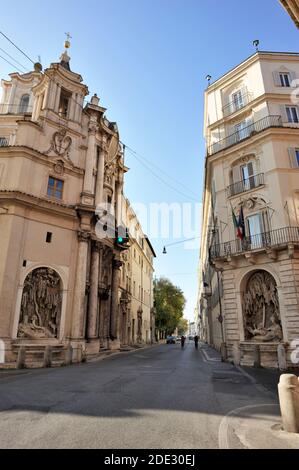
28	198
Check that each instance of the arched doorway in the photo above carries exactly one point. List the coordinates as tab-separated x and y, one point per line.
41	303
261	313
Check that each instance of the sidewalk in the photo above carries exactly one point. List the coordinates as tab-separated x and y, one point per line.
257	426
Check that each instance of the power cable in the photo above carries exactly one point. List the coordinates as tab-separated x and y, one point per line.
160	169
163	181
33	62
20	50
15	60
13	65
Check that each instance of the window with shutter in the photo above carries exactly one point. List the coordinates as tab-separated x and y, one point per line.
294	157
236	174
292	114
285	79
283	113
293	77
276	79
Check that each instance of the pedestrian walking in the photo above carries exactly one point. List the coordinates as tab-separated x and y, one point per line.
196	339
183	341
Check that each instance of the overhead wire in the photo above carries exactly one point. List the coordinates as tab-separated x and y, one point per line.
20	50
146	163
13	65
34	62
161	169
163	180
15	60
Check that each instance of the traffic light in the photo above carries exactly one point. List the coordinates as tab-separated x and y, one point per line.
121	236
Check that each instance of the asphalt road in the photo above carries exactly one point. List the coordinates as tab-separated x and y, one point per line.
159	397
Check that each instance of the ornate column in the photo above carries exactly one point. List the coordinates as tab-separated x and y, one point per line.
99	197
54	90
57	99
92	319
114	315
88	187
80	287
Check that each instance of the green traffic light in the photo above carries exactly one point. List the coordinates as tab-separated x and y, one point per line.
120	239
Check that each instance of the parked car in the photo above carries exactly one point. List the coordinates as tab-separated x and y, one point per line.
170	340
178	339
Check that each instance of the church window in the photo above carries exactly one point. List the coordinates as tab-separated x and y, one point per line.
65	97
55	188
24	103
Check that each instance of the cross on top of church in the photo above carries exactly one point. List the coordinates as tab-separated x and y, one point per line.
67	43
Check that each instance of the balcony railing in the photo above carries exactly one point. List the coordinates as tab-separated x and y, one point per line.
15	109
241	186
236	105
274	238
245	133
3	142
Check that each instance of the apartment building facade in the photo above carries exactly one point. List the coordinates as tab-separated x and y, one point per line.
292	7
248	298
138	313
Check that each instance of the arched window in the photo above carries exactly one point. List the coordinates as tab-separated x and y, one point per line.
24	103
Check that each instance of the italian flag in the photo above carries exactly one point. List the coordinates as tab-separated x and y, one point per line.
237	226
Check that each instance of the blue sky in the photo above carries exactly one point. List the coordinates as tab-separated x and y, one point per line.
147	60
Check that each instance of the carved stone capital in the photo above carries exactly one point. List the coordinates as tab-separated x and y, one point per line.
83	236
117	264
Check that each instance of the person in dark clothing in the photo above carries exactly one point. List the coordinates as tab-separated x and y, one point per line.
196	339
182	341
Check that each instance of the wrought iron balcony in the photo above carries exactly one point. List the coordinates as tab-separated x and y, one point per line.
273	239
241	186
245	133
235	105
4	142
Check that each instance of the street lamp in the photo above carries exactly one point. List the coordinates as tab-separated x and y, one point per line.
256	44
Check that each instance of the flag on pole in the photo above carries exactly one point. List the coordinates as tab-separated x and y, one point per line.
239	224
242	223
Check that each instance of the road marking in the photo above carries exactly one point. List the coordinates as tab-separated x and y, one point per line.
224	425
203	357
208	358
258	386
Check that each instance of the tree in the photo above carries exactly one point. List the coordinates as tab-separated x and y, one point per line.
183	326
169	303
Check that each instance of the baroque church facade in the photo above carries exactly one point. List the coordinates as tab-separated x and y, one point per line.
63	283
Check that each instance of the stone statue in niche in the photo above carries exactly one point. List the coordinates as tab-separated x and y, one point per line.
261	309
110	171
41	305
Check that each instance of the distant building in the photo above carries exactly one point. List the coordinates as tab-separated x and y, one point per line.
248	284
137	303
292	7
192	329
